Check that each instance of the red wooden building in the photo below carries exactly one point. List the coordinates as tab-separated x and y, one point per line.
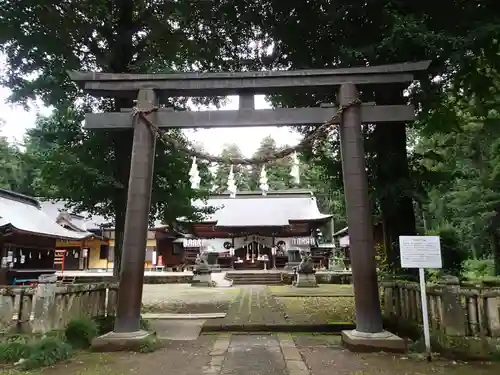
247	231
28	236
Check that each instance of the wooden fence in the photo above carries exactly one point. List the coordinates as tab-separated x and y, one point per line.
52	306
455	311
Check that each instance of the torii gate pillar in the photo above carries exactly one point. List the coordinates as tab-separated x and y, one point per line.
369	333
127	332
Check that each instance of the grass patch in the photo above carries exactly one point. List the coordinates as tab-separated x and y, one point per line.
318	310
83	363
47	352
80	333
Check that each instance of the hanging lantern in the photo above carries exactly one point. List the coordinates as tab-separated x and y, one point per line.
264	187
295	170
231	184
194	175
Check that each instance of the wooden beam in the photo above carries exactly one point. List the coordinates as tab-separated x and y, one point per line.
249	118
261	82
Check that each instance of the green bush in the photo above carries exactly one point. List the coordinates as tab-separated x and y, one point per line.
453	253
13	351
80	333
47	352
477	269
149	345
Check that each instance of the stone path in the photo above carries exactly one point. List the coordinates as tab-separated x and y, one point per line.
254	305
255	355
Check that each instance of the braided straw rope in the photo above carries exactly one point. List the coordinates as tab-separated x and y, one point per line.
320	132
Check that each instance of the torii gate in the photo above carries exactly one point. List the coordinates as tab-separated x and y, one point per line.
151	90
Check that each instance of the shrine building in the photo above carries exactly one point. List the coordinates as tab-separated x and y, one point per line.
248	231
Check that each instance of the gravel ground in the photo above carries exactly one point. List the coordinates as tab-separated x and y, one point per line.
182	298
318	310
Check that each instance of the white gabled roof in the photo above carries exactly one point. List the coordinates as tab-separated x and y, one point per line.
252	209
25	214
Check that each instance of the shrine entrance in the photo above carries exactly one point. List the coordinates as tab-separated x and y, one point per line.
150	117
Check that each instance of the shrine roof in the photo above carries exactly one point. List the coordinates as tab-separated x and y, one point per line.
252	209
25	214
82	221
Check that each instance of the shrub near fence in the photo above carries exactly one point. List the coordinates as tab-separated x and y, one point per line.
52	306
463	319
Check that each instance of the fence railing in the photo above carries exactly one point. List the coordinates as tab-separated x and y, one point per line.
52	306
453	309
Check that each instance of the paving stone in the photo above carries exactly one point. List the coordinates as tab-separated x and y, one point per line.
183	330
254	355
297	368
221	345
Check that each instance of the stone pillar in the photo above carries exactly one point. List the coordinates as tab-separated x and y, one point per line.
359	216
454	319
44	306
136	219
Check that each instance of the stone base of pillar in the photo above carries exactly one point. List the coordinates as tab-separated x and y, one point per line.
202	279
115	342
373	342
306	280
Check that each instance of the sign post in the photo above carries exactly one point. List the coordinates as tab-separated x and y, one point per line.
421	252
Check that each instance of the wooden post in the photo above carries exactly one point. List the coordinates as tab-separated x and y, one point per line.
359	216
128	312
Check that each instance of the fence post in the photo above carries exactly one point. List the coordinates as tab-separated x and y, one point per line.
493	314
44	299
453	310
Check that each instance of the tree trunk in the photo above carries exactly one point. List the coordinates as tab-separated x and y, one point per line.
393	184
123	152
495	247
121	58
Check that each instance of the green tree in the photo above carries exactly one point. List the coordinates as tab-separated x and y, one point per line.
42	41
278	172
16	169
222	171
469	198
358	33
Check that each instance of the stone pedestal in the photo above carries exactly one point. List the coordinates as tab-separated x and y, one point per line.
306	280
115	341
373	342
203	279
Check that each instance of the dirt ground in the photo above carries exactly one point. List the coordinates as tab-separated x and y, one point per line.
322	355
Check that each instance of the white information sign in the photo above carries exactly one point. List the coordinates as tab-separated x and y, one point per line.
191	242
420	252
303	241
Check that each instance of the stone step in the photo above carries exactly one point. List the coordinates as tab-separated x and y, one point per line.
253	277
256	279
257	282
239	275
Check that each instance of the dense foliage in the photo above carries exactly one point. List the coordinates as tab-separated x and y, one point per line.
439	175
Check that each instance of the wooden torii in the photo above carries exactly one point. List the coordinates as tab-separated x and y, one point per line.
153	90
